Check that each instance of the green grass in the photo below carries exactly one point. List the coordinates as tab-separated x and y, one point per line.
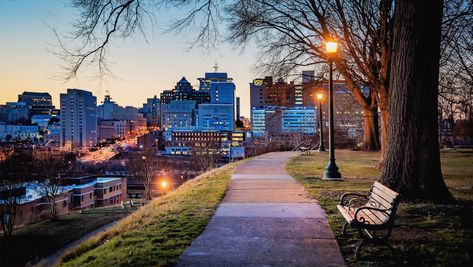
424	234
159	232
33	241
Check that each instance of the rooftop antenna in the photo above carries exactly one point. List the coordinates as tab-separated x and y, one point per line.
215	67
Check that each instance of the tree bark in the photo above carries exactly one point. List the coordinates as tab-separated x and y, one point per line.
370	132
412	163
383	136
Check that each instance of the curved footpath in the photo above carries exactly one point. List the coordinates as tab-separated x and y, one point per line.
266	218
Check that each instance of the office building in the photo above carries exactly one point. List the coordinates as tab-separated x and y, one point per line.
178	114
277	120
152	111
105	109
220	113
16	133
209	77
181	141
39	103
184	91
78	119
218	116
42	120
256	93
221	88
15	112
299	119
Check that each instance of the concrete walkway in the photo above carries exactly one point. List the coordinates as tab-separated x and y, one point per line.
265	219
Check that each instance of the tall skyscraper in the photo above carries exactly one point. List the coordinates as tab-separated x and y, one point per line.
78	118
220	113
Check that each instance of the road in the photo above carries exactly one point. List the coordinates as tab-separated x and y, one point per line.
107	152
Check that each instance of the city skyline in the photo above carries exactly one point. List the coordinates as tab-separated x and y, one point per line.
141	69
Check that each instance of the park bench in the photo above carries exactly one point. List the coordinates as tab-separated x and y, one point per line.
370	214
304	150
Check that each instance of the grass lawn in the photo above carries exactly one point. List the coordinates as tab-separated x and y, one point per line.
424	234
33	241
159	232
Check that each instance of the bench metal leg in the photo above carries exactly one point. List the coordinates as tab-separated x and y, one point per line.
344	229
358	248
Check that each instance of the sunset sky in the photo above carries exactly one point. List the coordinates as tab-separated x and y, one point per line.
142	69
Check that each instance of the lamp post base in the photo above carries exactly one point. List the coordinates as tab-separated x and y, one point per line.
331	172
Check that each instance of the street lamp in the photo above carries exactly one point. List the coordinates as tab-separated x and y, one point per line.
320	97
331	170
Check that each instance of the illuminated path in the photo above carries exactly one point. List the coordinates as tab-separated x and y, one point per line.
265	219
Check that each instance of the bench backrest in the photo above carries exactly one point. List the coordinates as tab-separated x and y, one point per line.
382	197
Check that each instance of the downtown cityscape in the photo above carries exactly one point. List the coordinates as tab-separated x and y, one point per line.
340	135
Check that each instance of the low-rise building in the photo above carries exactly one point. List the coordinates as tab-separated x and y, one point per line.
275	120
181	141
32	205
15	112
9	132
91	192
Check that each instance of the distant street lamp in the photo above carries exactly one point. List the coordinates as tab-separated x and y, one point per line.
331	170
320	97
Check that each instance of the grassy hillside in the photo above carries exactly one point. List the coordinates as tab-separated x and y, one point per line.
159	232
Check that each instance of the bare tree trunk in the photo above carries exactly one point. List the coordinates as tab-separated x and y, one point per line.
383	136
370	132
412	164
53	209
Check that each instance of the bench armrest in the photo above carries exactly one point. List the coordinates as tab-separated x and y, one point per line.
355	216
348	197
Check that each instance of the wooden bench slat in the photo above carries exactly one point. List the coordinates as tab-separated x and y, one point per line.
385	189
383	194
347	212
369	217
381	215
383	203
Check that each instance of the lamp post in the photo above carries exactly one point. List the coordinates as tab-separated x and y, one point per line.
320	97
331	170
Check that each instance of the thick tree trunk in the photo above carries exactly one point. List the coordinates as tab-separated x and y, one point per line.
383	138
412	164
370	130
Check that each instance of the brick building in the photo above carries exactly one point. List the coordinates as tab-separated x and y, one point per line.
91	192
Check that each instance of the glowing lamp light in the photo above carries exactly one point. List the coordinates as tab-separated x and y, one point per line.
164	184
331	47
320	96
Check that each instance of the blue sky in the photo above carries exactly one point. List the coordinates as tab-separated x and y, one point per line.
142	69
